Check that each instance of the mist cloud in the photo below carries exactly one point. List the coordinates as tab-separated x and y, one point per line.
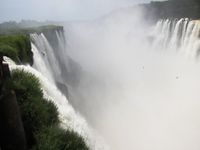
138	97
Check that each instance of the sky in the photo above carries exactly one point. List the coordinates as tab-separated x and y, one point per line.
59	10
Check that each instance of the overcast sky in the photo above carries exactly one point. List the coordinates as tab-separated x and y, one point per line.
59	10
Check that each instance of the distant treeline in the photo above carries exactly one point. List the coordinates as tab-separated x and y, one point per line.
172	9
27	27
25	24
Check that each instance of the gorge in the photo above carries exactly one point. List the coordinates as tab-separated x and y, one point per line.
121	81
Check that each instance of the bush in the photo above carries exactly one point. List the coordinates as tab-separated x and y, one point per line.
17	47
55	138
37	112
8	50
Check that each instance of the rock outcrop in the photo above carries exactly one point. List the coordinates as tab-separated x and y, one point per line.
12	135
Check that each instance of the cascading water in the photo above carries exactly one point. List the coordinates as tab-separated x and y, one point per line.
51	64
135	88
181	35
48	70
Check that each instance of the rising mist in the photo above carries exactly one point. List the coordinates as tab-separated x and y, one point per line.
138	86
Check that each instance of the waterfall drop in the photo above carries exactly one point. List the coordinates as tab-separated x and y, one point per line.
134	84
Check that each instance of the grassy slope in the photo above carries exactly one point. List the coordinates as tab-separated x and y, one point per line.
40	116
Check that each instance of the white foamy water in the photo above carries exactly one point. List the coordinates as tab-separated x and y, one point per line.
178	35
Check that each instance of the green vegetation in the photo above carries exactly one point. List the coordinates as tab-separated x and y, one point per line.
55	138
13	28
37	113
17	47
40	116
173	9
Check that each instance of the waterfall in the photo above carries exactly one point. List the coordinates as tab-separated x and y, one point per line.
48	68
181	35
46	53
132	82
51	67
132	91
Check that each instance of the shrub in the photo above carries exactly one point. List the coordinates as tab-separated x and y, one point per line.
36	111
17	47
55	138
8	50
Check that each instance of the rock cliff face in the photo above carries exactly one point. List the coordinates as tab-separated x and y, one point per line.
50	45
172	9
52	36
12	135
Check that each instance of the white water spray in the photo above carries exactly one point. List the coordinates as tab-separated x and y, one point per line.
178	35
138	90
